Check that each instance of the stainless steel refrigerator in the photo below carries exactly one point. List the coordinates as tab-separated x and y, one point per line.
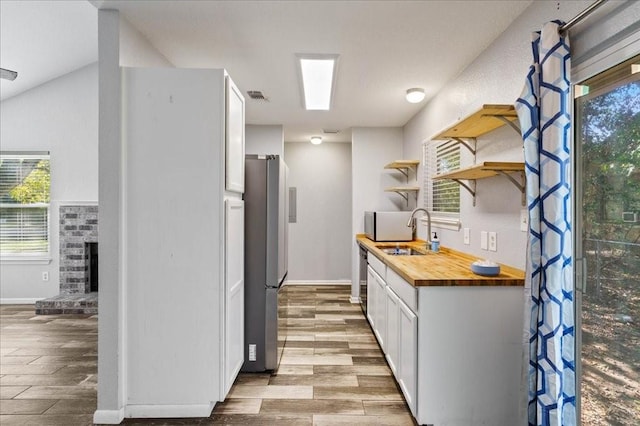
266	244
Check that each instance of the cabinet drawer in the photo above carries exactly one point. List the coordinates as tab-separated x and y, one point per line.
377	266
407	293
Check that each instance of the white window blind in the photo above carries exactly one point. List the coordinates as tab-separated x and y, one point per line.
24	203
442	197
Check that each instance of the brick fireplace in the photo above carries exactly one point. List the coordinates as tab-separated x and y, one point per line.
78	263
78	230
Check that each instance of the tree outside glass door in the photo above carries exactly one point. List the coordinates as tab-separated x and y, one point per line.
607	111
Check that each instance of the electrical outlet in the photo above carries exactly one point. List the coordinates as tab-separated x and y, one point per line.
483	240
524	220
252	352
493	241
466	237
45	276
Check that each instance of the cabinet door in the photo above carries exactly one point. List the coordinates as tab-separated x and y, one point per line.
371	296
234	292
380	329
234	138
408	355
393	336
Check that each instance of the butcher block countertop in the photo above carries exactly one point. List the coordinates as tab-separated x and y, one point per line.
446	268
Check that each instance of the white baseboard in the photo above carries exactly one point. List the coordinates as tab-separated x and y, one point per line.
354	300
169	411
108	417
318	282
19	300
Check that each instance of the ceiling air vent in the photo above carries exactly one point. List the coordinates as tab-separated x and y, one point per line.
257	95
330	131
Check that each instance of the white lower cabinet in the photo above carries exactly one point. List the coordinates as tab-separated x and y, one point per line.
408	354
395	326
393	332
371	297
234	292
456	358
377	308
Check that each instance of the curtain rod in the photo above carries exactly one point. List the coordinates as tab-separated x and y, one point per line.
582	15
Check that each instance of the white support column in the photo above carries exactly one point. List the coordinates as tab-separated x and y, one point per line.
111	351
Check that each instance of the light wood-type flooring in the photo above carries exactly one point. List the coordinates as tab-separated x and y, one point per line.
332	371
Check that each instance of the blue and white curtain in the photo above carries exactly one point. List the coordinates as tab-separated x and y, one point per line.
544	112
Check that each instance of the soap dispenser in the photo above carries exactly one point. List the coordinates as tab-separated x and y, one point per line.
435	243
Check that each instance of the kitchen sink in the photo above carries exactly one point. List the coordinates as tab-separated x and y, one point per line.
401	251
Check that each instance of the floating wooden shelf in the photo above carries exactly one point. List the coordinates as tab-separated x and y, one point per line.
404	191
485	170
488	118
403	166
482	170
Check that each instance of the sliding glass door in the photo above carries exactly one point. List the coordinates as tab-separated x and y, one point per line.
607	111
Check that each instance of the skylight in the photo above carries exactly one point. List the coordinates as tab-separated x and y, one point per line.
317	75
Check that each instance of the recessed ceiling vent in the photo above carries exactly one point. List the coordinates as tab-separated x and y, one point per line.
330	131
257	95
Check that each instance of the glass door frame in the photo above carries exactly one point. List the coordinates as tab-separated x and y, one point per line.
579	255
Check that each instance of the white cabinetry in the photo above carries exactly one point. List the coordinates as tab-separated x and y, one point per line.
392	323
455	351
391	302
408	355
234	291
182	282
377	305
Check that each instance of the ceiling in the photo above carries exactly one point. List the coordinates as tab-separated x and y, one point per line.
43	40
385	47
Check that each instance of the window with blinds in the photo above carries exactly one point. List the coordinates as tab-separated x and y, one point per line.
24	203
442	197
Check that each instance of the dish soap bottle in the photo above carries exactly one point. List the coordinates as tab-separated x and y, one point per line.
435	243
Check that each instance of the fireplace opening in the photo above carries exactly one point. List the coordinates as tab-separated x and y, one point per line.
91	257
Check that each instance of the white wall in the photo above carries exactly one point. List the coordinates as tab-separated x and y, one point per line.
136	50
264	139
371	149
320	240
496	76
60	116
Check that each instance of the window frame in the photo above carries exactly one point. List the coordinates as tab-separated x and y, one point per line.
41	257
439	219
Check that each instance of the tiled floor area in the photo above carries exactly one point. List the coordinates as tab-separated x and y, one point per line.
48	366
332	371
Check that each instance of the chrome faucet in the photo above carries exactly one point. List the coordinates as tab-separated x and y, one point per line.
412	223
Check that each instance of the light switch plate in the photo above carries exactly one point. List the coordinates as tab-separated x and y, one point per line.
483	240
493	241
466	237
524	220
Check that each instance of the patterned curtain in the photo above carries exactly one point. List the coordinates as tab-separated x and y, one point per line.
544	112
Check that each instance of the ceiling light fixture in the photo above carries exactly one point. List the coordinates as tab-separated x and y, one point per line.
317	74
316	140
415	95
8	74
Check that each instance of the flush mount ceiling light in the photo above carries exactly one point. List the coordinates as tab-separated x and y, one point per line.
317	75
8	74
316	140
415	95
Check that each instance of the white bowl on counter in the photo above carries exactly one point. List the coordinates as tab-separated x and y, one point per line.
485	268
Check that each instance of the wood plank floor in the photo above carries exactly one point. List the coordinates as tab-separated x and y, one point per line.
332	371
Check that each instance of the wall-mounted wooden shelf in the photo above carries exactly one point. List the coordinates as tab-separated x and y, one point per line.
404	191
488	118
485	170
403	166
